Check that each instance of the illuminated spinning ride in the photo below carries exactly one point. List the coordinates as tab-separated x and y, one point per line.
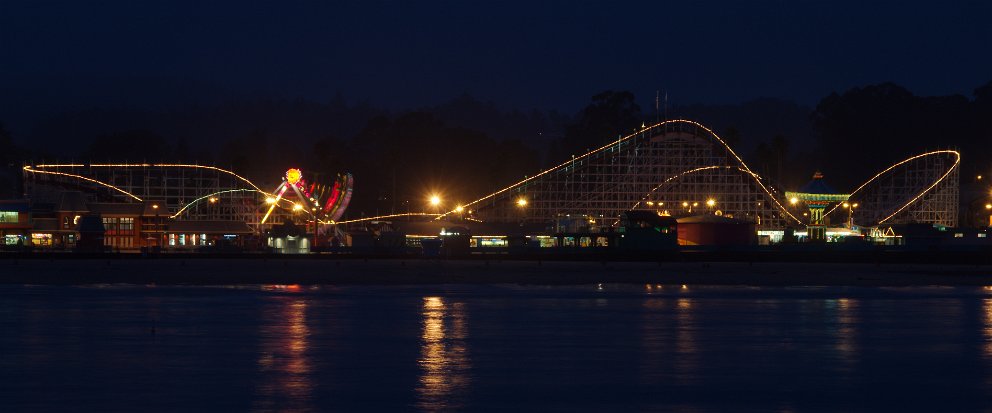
324	204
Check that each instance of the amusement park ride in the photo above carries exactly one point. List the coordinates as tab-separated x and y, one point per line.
324	204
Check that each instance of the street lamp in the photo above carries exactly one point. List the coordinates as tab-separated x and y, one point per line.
850	213
521	202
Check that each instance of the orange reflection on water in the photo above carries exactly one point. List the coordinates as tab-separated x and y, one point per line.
847	334
687	363
283	360
444	361
655	332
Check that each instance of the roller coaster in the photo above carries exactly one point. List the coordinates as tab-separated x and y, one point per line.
680	168
676	167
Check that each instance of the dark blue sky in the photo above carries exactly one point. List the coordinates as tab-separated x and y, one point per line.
527	54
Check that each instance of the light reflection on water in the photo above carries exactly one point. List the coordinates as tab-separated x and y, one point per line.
686	361
847	331
591	348
283	363
443	356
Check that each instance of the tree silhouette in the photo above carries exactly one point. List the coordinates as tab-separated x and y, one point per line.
610	114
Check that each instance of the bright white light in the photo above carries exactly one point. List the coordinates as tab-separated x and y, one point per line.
435	200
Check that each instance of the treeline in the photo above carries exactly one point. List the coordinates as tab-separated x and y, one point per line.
465	148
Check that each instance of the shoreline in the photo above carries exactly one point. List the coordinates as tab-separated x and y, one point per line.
418	271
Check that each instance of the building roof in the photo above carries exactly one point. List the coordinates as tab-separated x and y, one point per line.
91	224
287	228
46	224
154	208
433	227
210	227
72	201
817	186
710	219
134	209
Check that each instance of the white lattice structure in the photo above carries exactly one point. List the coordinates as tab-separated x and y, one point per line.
187	192
921	189
680	167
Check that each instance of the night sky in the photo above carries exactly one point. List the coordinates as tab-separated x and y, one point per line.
526	54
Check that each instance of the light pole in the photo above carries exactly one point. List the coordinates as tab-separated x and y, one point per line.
522	204
850	213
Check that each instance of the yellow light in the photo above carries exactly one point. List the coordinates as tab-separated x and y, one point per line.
710	202
793	200
459	209
855	205
270	200
988	206
685	204
695	204
293	176
213	200
650	203
521	202
979	177
847	205
297	207
155	206
435	200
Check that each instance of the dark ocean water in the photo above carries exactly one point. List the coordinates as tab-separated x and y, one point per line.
584	348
